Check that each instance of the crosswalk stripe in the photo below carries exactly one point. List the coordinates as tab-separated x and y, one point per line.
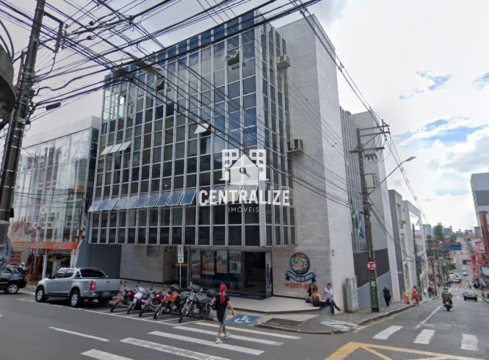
171	350
252	331
79	334
102	355
470	342
385	334
207	342
237	337
424	337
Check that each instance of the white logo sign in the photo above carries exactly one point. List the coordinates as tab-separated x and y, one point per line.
244	174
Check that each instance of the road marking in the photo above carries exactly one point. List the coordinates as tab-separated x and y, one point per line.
351	348
252	331
425	337
470	342
428	318
385	334
384	319
237	337
170	349
101	355
207	343
79	334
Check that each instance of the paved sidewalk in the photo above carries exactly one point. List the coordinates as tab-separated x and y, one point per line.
326	323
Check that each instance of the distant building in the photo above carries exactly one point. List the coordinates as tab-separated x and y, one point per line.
447	231
407	228
480	192
427	230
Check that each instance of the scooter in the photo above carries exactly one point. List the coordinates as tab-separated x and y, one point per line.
138	299
125	297
194	305
447	304
155	298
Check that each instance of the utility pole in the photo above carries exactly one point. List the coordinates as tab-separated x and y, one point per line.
373	283
418	265
13	144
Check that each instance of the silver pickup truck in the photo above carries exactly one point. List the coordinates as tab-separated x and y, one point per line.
78	284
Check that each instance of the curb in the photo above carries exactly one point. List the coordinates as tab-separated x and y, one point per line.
278	312
330	332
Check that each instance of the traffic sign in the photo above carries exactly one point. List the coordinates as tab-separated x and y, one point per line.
371	266
180	250
243	319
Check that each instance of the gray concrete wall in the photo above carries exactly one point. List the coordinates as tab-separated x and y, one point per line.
323	224
364	291
142	262
107	258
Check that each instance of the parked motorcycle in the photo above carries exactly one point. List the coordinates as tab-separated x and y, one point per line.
447	304
125	297
155	298
173	301
138	299
196	306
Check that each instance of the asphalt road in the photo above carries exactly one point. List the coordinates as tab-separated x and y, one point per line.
55	331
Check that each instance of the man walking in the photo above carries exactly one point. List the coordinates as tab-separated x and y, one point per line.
329	297
387	295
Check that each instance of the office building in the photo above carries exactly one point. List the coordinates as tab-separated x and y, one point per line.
161	150
54	184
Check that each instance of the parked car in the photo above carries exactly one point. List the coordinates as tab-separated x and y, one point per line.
12	279
470	295
464	273
78	284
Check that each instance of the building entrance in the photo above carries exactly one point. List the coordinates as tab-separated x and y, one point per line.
242	272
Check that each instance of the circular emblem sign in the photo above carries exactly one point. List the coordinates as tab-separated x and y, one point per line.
371	266
299	263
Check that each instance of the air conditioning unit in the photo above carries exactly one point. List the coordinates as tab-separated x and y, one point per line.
295	145
283	62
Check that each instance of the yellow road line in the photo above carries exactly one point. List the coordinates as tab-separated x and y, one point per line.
384	319
351	347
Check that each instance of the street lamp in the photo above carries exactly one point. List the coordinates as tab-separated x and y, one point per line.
397	167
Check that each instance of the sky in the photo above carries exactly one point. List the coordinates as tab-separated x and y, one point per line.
422	65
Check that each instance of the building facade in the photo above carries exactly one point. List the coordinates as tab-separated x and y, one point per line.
161	150
479	184
382	233
54	186
407	228
427	230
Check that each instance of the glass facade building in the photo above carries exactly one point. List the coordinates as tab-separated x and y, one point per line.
53	187
164	127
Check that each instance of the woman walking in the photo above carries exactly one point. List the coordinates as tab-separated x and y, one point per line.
222	302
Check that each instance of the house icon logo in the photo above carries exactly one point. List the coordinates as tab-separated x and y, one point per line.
241	170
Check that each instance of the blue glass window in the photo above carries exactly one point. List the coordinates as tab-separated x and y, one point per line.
188	198
163	199
175	198
141	201
152	200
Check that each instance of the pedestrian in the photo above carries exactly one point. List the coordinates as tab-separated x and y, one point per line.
222	302
414	296
329	296
309	293
430	291
317	301
387	295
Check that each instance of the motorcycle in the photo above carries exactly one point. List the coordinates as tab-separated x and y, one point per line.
196	306
447	304
173	301
155	298
125	297
138	299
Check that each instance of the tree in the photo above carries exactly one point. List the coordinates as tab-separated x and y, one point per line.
438	232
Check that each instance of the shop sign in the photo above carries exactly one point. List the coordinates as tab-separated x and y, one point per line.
208	263
44	245
222	262
300	265
235	262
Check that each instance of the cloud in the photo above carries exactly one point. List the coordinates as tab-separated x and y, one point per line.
449	131
482	81
427	81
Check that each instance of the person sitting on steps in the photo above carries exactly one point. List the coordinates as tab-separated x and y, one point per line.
330	298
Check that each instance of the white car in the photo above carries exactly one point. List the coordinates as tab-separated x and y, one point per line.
464	273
